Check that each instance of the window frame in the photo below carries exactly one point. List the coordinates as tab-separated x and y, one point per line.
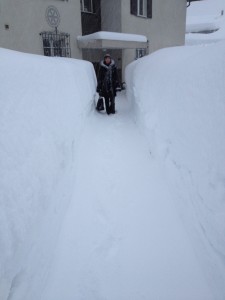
83	7
56	44
135	9
140	52
145	8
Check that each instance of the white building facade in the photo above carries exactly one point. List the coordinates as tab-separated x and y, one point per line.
51	27
23	21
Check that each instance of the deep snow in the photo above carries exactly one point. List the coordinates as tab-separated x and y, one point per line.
43	105
180	107
205	16
127	240
129	206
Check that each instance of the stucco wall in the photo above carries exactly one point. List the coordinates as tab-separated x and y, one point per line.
165	29
26	19
111	15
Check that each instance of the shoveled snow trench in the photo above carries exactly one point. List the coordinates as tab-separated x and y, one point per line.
122	237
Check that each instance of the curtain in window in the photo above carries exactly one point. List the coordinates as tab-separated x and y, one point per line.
133	7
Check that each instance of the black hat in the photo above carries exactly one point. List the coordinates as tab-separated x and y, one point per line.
107	55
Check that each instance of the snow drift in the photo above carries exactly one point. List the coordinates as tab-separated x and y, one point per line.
126	238
179	103
43	106
205	22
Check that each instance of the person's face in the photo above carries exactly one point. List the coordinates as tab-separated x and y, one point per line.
107	60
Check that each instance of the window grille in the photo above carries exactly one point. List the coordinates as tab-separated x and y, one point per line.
140	53
56	44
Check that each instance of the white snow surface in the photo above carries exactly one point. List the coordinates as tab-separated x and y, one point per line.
180	107
43	105
128	206
107	35
206	23
207	15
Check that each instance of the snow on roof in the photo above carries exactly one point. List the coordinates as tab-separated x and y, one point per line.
202	23
106	35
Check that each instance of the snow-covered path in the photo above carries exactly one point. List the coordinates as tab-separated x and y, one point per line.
122	238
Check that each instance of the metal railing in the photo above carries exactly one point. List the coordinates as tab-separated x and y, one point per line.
56	43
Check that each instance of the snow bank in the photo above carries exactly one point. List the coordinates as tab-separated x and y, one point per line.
206	7
178	95
202	24
203	33
43	106
205	22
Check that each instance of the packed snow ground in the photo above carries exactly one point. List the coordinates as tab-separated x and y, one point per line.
122	237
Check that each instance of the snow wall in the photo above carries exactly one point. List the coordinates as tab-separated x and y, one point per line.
43	106
178	95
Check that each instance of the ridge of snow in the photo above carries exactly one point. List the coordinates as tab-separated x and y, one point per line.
44	103
179	105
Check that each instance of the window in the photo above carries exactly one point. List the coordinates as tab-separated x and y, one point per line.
56	44
140	53
87	6
141	8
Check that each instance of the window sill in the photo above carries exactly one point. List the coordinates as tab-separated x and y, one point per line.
88	12
143	17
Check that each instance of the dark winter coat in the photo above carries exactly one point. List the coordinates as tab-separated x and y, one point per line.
107	79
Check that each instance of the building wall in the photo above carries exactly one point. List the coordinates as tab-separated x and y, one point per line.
26	19
166	28
111	15
91	18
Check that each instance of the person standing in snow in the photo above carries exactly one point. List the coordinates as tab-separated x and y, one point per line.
108	82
